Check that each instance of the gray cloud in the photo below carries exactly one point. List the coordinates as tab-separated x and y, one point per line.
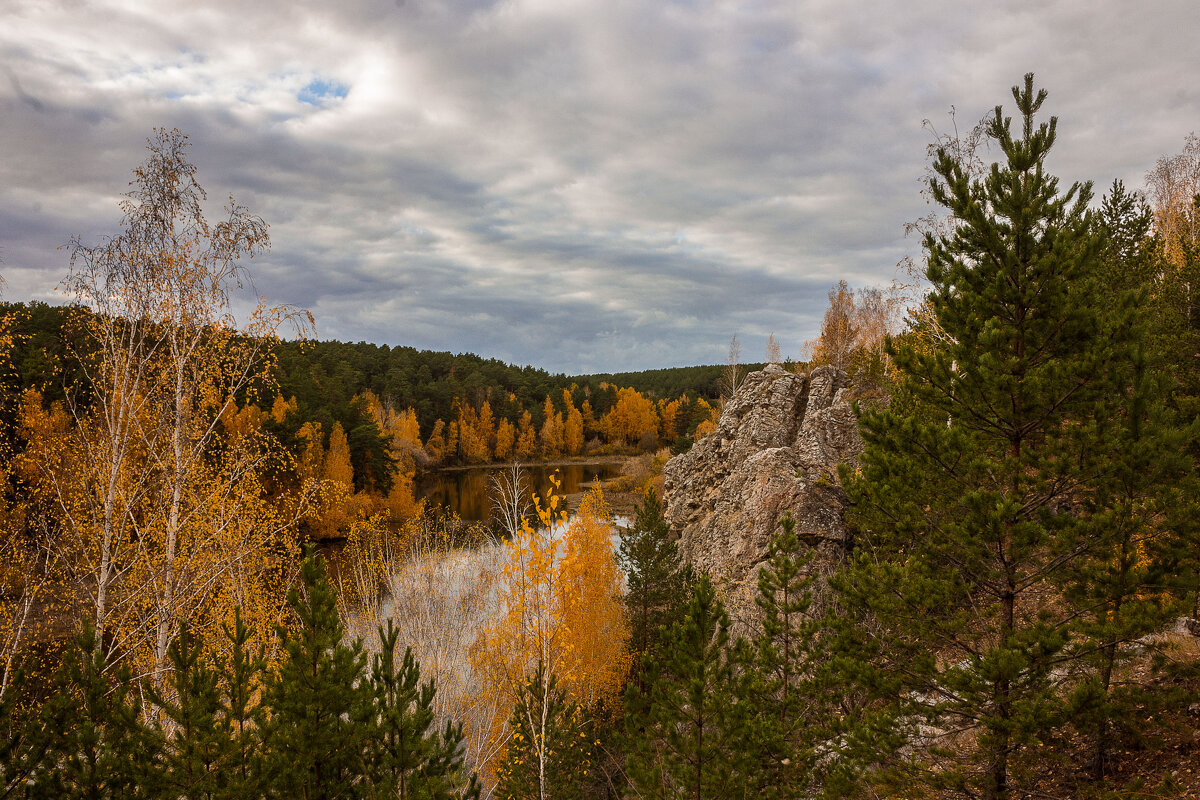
581	186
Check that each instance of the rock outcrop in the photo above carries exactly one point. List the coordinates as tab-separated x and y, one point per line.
776	448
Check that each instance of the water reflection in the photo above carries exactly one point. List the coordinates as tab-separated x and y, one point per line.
466	492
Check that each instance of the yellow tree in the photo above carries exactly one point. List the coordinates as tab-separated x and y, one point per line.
552	430
668	413
572	427
560	607
435	445
596	630
1174	189
708	415
1173	185
631	418
506	436
526	446
158	498
839	331
337	466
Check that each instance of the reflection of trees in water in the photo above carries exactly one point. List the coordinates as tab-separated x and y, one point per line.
466	492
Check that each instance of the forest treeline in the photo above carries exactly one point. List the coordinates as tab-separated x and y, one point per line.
373	416
1014	619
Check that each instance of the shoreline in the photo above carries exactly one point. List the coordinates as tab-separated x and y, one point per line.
566	461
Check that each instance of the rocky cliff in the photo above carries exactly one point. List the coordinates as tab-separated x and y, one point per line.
776	448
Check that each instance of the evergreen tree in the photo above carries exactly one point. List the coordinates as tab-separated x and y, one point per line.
316	715
97	746
409	760
784	696
21	747
974	512
241	777
688	733
550	750
656	584
193	746
1124	555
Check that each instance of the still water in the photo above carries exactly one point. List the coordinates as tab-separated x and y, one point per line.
466	492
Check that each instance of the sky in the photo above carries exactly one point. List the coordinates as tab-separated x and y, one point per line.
581	185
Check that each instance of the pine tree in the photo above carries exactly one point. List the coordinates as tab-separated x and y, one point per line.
21	747
973	507
550	750
656	583
97	746
241	777
194	748
316	715
409	760
783	693
688	731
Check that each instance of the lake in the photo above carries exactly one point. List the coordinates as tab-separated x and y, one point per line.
466	491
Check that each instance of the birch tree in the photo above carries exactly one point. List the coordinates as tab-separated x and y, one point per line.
165	507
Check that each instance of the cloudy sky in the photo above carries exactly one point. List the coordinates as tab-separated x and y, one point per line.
582	185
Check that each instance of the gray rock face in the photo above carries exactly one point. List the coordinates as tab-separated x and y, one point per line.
776	448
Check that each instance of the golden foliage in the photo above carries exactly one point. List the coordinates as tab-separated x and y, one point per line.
156	474
631	418
1173	185
559	591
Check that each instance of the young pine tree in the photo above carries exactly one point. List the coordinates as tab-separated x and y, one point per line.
97	745
408	759
781	670
316	717
241	776
975	508
688	729
22	748
194	747
656	583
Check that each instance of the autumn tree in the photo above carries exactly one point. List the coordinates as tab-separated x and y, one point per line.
552	430
506	435
526	444
839	331
631	418
561	610
572	426
774	351
161	510
1173	187
732	376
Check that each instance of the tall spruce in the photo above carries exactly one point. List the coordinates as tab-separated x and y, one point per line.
688	728
980	490
317	715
